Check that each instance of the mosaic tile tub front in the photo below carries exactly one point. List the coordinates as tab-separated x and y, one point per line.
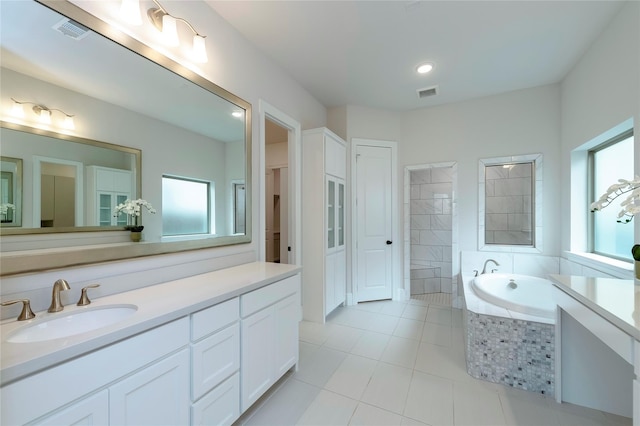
515	353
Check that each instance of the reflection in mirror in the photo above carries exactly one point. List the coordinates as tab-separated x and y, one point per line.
186	126
509	200
10	191
74	182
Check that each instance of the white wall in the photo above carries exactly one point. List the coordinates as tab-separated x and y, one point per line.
240	68
601	91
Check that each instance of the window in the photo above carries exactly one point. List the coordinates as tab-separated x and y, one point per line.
186	206
609	162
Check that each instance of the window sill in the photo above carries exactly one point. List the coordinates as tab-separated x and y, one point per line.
614	267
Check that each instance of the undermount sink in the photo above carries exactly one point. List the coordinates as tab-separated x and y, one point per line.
72	323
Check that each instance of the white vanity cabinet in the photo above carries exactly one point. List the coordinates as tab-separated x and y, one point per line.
324	275
269	330
215	364
106	188
140	380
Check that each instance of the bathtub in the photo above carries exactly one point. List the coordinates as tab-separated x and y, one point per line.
509	322
519	293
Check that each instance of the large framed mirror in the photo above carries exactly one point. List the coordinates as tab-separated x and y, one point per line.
510	204
10	192
138	118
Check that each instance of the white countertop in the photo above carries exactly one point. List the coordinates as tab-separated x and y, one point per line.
157	304
616	300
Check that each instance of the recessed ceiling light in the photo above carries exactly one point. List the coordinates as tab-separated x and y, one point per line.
424	68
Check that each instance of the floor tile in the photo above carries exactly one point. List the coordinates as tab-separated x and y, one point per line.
401	352
381	323
370	306
342	338
430	399
328	408
368	415
406	421
476	407
526	411
439	315
286	405
352	376
442	361
436	334
317	364
393	308
409	329
415	312
388	387
313	332
371	345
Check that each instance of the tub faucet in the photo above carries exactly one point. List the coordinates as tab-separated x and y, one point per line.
484	268
56	304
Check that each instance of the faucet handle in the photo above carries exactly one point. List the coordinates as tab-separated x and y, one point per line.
26	313
475	272
84	299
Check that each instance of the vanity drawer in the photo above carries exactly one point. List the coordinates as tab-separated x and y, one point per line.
266	296
221	406
214	318
213	359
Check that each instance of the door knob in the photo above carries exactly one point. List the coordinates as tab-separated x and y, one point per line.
389	242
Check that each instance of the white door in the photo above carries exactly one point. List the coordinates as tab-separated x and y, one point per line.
374	223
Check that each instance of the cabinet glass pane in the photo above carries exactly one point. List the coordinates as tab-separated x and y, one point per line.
105	211
340	214
331	214
121	220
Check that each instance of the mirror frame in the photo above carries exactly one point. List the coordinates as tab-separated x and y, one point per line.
536	247
23	261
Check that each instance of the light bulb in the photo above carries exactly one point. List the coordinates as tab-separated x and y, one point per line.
199	49
170	30
130	12
17	110
424	68
68	123
45	116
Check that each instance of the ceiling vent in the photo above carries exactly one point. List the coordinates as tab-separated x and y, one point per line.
427	92
71	29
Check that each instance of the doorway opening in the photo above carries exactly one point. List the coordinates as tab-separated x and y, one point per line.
276	192
431	237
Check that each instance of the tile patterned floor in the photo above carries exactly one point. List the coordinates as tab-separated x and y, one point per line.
400	363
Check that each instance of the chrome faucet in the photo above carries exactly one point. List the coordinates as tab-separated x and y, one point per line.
56	304
484	268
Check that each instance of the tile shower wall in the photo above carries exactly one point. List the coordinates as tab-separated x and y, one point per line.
431	216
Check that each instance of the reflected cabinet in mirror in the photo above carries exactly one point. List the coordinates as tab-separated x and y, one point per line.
510	194
88	123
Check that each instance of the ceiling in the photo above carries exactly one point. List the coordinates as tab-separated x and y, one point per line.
365	52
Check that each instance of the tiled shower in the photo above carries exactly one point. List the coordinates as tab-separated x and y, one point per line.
431	219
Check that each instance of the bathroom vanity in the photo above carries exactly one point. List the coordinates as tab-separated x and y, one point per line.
199	350
608	309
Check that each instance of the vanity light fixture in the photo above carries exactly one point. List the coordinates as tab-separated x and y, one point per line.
43	113
167	24
424	68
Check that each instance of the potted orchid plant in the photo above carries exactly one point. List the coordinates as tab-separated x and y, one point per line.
5	209
630	207
133	210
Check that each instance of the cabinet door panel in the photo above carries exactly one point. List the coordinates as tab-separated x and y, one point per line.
157	395
257	356
221	406
214	359
330	289
286	345
340	280
91	411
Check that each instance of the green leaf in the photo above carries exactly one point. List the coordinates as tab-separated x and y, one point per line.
635	252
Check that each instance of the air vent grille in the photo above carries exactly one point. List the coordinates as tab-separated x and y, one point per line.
71	29
427	92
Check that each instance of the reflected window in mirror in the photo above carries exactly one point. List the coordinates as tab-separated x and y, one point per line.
239	207
187	206
10	192
509	194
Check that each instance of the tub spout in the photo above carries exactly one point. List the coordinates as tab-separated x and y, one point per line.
484	268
